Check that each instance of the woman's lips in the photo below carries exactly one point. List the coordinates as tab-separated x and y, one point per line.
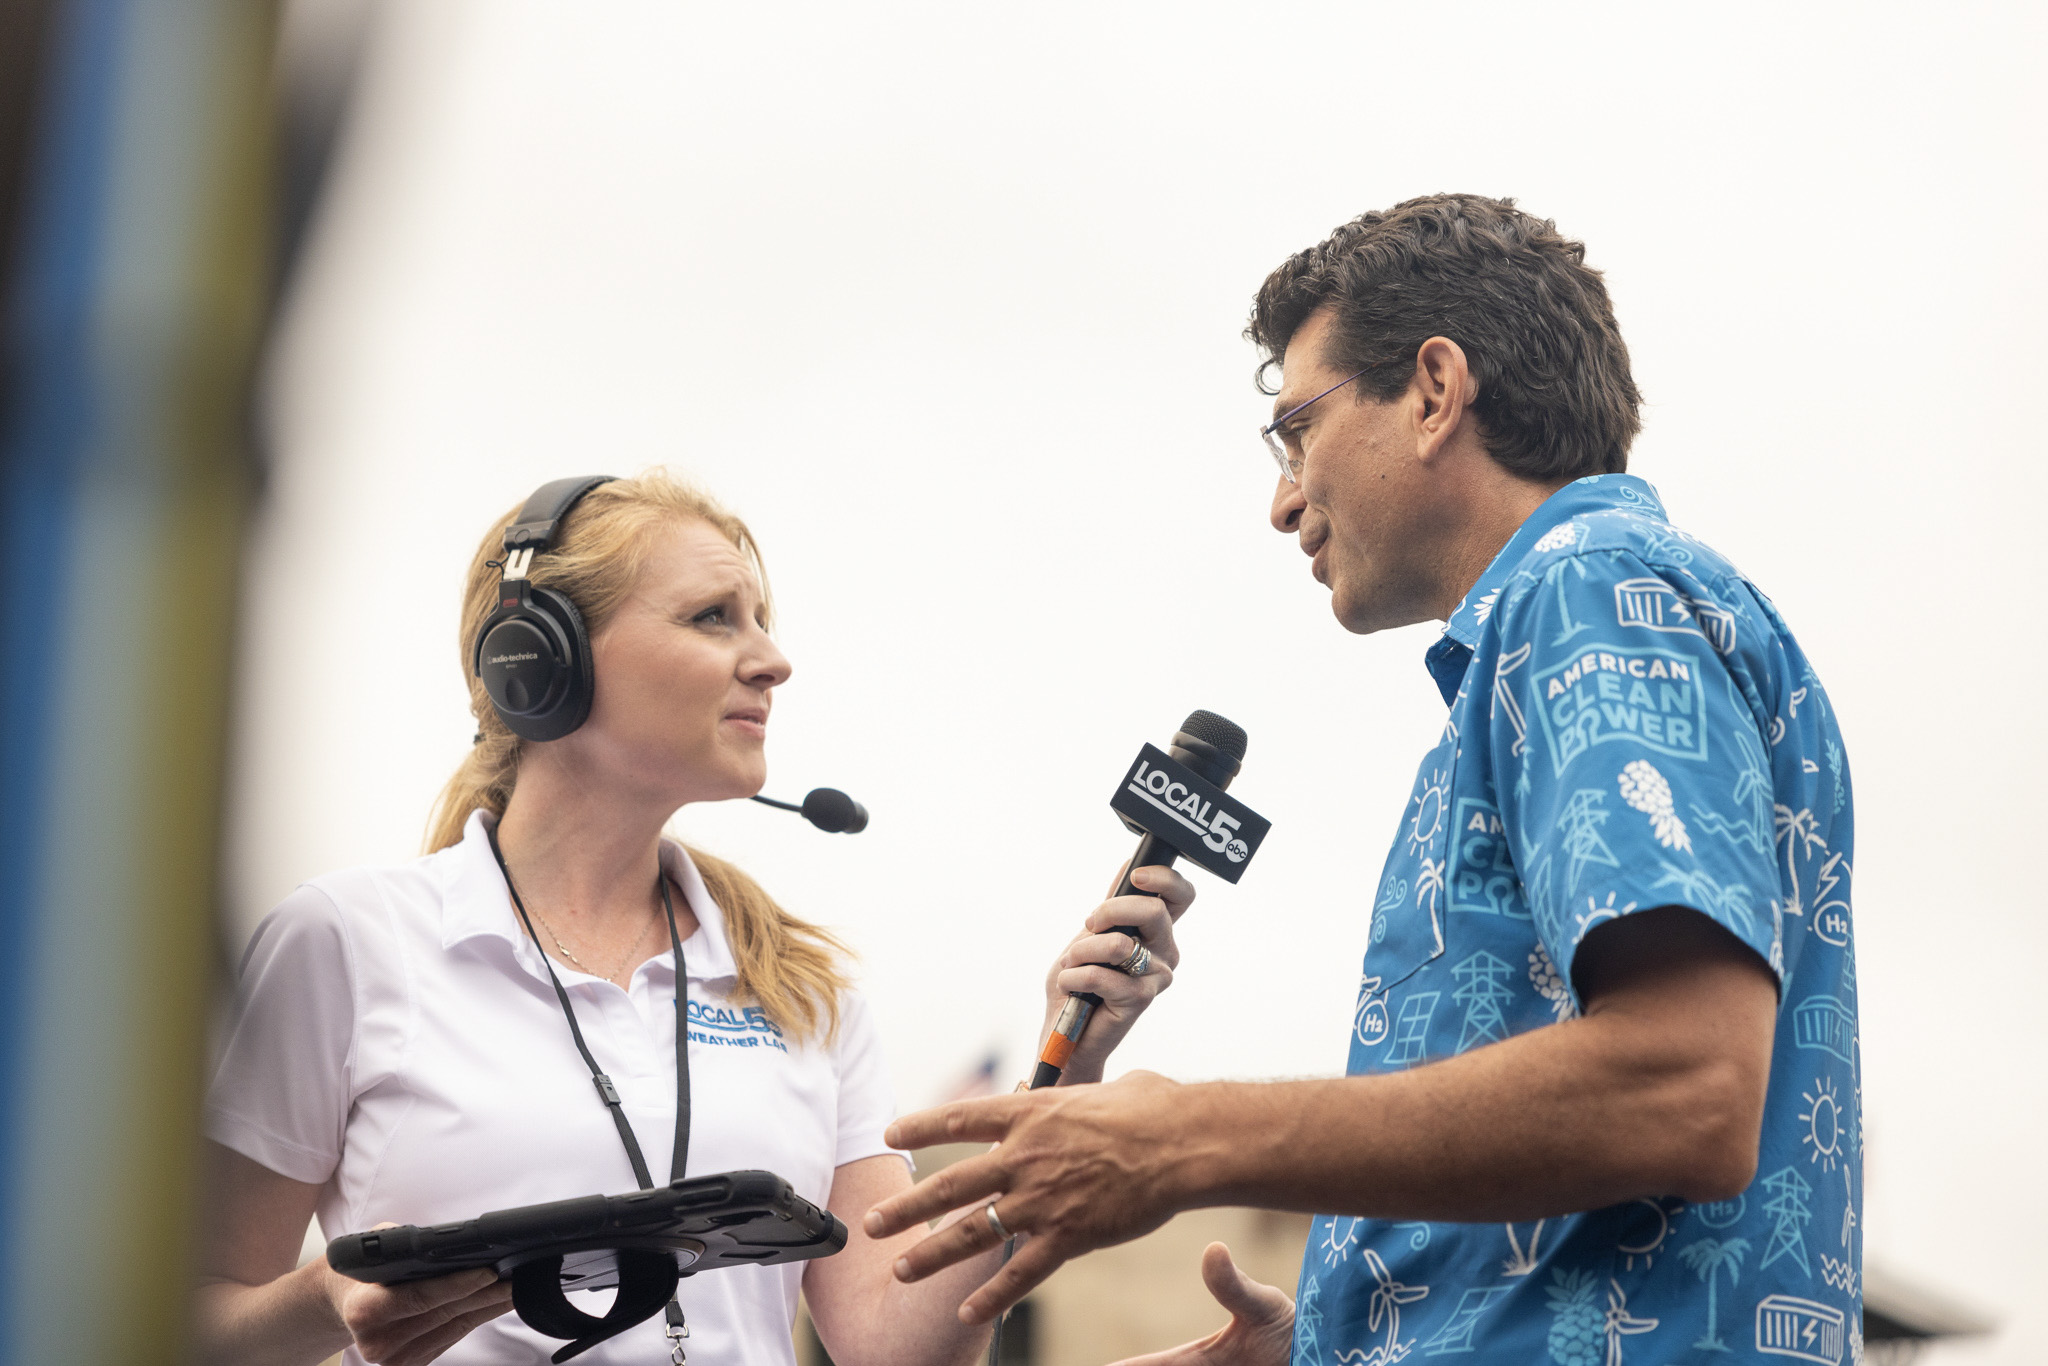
753	723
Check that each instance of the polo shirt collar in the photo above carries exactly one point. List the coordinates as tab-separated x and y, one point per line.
474	902
1447	658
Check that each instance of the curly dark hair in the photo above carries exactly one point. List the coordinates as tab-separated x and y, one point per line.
1556	401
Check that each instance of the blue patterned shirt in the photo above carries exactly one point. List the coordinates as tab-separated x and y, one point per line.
1631	725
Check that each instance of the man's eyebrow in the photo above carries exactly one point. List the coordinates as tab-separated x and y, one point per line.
1283	405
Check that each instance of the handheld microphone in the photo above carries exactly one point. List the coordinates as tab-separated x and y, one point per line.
827	808
1211	749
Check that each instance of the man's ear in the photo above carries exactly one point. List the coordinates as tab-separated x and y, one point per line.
1441	389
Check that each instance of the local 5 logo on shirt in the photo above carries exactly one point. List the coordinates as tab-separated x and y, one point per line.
1199	819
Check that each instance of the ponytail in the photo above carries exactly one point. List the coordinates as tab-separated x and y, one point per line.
482	783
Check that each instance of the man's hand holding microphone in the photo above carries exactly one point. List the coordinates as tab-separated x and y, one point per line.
1084	1166
1125	971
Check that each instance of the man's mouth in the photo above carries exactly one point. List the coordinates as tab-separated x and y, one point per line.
1314	550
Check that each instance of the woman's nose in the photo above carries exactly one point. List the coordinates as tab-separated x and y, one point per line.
769	668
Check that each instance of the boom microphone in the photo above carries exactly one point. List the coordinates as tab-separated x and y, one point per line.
827	808
1171	817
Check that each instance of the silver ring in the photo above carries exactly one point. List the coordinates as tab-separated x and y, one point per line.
995	1224
1139	963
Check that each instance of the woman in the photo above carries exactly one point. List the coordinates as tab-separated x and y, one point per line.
401	1056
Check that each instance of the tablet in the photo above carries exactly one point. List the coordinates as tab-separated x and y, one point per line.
745	1218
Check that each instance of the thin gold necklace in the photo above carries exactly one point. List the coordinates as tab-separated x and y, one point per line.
578	963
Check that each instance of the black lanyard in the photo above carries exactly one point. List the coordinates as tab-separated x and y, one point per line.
677	1329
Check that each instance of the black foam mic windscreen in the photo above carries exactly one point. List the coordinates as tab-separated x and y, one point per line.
830	809
827	808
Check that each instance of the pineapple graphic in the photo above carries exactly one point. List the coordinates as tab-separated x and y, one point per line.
1581	1321
1645	789
1549	983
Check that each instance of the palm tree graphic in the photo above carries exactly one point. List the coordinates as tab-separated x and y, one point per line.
1799	832
1706	1258
1522	1263
1429	881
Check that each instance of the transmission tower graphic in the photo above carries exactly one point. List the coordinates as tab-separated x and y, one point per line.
1788	1208
1308	1323
1578	824
1482	990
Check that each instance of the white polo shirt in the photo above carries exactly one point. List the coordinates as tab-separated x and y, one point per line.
397	1041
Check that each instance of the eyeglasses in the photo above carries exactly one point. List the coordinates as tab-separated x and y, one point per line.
1276	440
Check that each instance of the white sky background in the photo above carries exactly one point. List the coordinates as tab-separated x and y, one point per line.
947	304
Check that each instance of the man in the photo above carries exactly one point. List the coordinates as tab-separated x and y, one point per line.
1603	1092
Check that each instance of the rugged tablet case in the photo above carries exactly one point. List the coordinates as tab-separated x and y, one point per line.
744	1218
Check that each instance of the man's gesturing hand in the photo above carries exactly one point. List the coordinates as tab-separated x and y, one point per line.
1261	1327
1075	1168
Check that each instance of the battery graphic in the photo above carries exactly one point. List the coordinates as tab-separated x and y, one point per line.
1787	1326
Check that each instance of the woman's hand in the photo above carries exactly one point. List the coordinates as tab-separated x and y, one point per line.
411	1324
1164	896
258	1307
1261	1327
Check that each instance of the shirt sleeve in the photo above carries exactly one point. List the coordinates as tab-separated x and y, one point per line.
1630	765
280	1092
867	1103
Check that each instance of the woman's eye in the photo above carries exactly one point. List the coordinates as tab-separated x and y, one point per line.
710	616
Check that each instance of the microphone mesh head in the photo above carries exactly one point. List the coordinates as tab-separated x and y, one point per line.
1210	728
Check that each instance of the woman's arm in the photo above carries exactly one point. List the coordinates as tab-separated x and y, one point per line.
256	1309
864	1315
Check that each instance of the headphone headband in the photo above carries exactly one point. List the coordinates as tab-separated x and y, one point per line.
534	527
533	654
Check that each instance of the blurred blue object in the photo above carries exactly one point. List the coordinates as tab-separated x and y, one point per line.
135	144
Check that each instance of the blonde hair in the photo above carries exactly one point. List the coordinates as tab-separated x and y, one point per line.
792	969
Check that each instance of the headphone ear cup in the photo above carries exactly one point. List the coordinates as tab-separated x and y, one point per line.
574	708
534	660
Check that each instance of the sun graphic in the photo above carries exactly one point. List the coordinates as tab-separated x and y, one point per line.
1823	1123
1338	1237
1426	822
1595	912
1649	1232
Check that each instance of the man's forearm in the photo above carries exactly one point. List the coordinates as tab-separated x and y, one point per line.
1573	1117
1658	1090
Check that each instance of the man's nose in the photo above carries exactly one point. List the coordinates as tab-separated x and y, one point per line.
1288	505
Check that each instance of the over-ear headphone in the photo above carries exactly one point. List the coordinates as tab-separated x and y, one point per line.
533	654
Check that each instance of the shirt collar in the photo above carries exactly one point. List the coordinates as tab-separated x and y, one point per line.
474	902
1447	658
